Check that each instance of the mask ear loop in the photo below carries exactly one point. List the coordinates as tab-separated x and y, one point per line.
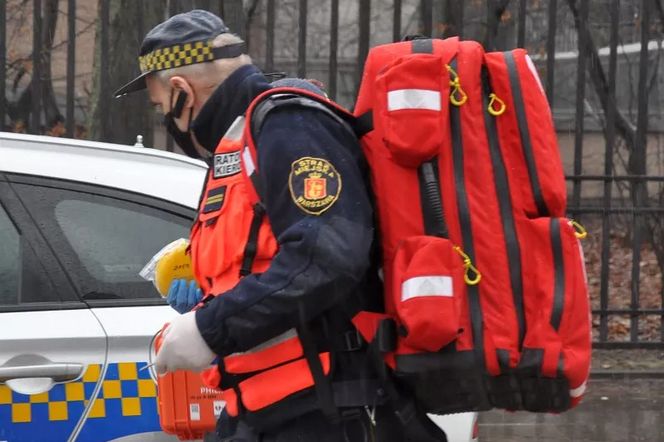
176	112
179	107
179	104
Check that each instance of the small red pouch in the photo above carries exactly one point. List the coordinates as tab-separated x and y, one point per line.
427	280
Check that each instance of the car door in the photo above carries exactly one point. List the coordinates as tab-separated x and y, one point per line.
103	238
52	347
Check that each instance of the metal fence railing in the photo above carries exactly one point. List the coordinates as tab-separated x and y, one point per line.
330	39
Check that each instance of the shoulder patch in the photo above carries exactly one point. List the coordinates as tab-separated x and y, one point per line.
314	184
226	164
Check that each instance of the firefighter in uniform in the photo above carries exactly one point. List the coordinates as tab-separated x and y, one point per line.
283	272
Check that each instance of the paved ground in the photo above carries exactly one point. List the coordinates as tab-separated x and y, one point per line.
615	409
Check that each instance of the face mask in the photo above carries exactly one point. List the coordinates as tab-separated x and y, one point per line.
182	138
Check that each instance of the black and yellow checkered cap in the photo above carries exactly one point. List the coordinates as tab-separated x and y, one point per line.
182	40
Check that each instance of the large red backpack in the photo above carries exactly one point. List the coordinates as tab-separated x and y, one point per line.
486	302
485	286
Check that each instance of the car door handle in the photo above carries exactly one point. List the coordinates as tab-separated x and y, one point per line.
59	371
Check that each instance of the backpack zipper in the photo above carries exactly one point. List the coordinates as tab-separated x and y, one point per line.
476	319
524	133
505	205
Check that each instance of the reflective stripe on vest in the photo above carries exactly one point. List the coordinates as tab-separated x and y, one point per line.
283	348
218	241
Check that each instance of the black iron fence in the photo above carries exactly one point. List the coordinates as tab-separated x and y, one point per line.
599	61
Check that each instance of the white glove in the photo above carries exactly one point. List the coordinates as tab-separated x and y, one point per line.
183	347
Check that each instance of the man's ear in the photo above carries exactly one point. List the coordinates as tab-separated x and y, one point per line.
180	84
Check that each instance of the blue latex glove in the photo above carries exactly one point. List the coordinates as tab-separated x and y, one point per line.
183	296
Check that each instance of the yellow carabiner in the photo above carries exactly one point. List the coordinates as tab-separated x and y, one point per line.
579	231
466	276
455	84
491	109
468	265
457	90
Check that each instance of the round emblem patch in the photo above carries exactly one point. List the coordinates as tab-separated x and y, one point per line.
314	184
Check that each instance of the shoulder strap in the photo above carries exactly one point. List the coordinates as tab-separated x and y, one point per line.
251	247
278	98
290	99
256	115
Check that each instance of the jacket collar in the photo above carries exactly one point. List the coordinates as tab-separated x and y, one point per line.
230	100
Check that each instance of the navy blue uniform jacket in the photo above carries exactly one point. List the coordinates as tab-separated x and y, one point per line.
324	260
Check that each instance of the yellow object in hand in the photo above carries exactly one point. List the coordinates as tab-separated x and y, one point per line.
175	264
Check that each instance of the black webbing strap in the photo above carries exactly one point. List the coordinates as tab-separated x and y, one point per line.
290	99
422	46
251	247
232	380
322	383
464	215
415	424
559	274
258	185
524	134
364	124
258	117
505	206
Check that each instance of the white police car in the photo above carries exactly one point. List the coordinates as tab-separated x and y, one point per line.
78	221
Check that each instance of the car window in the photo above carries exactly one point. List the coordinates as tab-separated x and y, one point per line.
104	241
113	243
22	277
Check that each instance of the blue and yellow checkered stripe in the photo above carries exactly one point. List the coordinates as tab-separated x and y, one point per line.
128	394
176	56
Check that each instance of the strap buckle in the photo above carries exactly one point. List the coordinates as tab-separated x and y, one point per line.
348	414
352	340
386	336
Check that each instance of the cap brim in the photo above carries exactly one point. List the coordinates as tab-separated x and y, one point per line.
137	84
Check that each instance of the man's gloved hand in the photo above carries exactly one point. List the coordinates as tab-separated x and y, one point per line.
183	296
182	347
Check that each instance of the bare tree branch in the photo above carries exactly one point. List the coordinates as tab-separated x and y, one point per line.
624	128
50	19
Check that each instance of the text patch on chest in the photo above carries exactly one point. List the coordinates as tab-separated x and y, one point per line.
226	164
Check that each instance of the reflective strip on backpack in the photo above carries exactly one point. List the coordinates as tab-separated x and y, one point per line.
427	286
533	70
578	391
413	99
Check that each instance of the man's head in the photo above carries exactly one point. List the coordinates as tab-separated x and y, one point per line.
196	82
183	60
